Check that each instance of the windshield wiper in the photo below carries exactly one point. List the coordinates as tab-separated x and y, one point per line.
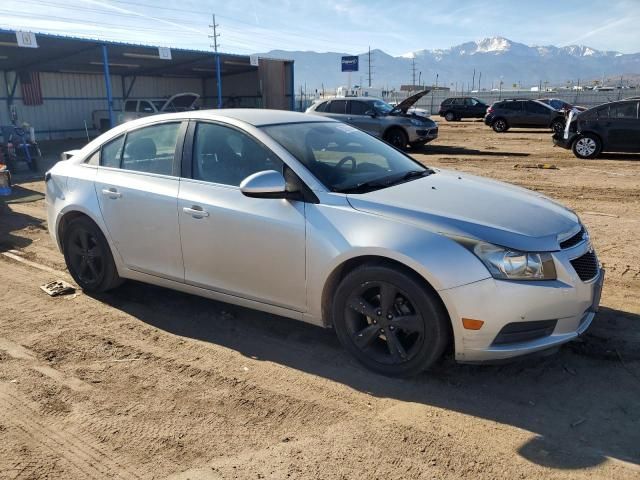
385	182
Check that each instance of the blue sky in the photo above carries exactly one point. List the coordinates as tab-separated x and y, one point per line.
348	26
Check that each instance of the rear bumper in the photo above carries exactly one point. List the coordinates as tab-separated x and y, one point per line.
488	120
550	313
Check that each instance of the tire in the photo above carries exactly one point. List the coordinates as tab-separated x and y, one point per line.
586	146
450	116
415	315
88	256
500	125
557	126
397	138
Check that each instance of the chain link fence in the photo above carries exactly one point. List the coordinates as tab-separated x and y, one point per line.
431	102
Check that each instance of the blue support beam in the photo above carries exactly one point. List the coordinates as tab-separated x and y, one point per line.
219	80
107	82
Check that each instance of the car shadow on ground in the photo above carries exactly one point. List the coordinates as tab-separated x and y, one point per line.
10	222
454	150
630	157
581	403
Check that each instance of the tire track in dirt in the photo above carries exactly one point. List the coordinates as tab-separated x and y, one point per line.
78	451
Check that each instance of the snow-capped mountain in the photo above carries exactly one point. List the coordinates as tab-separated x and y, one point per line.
498	58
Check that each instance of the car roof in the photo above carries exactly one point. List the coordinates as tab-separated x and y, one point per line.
252	116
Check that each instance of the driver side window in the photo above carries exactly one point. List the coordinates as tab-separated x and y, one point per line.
227	156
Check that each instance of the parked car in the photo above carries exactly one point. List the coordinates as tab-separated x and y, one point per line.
376	117
456	108
506	114
306	217
612	127
558	104
138	108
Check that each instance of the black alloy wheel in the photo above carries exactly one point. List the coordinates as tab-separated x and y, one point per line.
389	321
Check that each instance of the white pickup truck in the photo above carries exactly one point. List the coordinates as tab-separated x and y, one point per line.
137	108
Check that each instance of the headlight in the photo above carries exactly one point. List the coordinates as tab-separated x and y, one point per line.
416	122
507	264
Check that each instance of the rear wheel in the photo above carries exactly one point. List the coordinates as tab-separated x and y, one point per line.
88	256
500	125
449	116
587	146
397	138
390	321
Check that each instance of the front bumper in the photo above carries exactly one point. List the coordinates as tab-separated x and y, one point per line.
422	135
568	304
560	141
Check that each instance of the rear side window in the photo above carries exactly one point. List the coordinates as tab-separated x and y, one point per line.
130	105
513	106
112	153
321	107
447	101
337	106
624	110
458	101
146	107
151	149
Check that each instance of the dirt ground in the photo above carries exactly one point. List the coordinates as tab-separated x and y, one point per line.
147	383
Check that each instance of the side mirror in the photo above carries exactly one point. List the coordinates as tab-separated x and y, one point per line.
371	113
265	184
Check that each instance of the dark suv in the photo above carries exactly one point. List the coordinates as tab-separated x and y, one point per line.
503	115
612	127
455	108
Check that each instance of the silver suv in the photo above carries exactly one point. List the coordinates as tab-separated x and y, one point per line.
376	117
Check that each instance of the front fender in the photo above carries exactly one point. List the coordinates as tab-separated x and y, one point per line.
338	234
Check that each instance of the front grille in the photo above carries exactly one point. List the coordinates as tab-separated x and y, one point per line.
574	240
586	266
518	332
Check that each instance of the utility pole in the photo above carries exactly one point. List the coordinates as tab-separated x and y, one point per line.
369	78
215	46
413	73
473	82
479	80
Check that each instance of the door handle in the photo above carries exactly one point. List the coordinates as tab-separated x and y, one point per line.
195	211
111	193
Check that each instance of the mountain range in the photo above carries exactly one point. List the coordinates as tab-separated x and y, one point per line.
494	59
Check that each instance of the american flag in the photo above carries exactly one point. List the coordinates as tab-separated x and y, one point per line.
30	85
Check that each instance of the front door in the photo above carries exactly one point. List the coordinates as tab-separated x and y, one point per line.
623	127
253	248
137	189
358	117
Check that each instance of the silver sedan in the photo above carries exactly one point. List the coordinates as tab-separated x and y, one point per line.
313	219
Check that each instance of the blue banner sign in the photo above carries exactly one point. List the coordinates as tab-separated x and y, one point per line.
350	64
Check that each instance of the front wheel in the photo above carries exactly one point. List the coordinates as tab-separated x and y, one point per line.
587	146
397	138
88	256
390	321
449	116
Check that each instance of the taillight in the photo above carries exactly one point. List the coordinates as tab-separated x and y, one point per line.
490	109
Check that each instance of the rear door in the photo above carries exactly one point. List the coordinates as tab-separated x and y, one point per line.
137	188
337	109
623	127
358	116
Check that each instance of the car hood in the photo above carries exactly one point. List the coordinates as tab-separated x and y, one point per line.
473	207
406	104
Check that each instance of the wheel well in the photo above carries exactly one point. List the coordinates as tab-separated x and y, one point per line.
343	269
557	119
394	127
64	222
499	118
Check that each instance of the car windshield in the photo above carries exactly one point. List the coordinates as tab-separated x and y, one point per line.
344	158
